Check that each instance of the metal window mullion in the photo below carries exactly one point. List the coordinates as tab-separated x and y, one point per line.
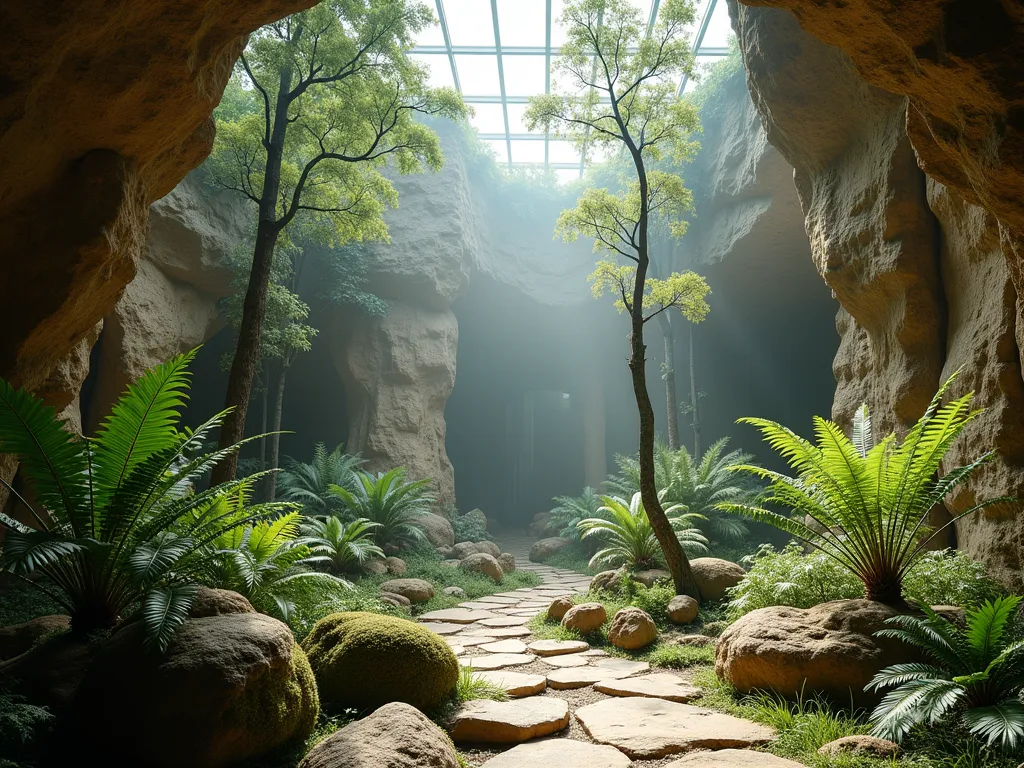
501	80
448	43
547	75
698	41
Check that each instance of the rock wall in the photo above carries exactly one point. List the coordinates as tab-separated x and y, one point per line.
105	107
924	277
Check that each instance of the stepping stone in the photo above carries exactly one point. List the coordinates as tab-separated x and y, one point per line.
648	729
557	647
497	632
475	605
658	686
503	621
592	652
516	684
504	646
731	758
579	677
497	660
509	722
567	660
456	616
444	628
458	650
527	612
560	752
498	599
467	640
613	664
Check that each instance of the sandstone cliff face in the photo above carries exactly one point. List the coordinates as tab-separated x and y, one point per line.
925	278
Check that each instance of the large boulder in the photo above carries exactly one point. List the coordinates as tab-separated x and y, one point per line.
585	617
438	529
236	685
394	736
18	638
632	628
829	649
414	590
507	561
485	564
543	550
714	576
365	660
218	602
464	549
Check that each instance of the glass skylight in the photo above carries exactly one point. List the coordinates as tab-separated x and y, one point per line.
498	53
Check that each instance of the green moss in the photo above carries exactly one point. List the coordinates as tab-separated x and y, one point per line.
365	660
279	707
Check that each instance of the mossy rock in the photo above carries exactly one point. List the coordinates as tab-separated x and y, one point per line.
365	660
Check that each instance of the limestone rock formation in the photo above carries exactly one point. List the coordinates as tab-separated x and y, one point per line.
927	280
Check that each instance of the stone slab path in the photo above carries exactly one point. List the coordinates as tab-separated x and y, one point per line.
571	706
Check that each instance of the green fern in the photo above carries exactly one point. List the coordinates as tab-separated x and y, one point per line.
865	504
973	675
118	523
570	510
630	538
309	484
391	502
347	547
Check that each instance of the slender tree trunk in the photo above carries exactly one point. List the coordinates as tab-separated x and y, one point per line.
254	308
263	423
671	403
275	438
675	558
694	415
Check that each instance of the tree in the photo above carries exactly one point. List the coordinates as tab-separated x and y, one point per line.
620	93
336	98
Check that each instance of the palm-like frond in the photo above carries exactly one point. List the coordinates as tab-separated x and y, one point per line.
121	524
569	510
347	546
309	484
629	536
976	674
392	502
868	500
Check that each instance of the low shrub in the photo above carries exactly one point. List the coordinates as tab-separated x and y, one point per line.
681	656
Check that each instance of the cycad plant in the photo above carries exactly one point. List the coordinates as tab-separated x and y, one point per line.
270	565
345	547
865	504
117	522
699	485
630	538
390	501
309	484
570	510
973	675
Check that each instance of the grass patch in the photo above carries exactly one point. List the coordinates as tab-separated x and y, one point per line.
681	656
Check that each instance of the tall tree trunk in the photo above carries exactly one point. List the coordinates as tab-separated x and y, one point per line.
675	558
263	422
671	403
694	415
254	307
275	438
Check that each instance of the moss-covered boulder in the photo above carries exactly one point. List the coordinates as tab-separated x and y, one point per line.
366	660
231	687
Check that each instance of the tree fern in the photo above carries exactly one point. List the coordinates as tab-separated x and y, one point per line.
865	505
118	523
392	502
975	676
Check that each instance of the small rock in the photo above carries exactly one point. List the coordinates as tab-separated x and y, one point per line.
507	562
485	564
395	565
607	580
415	590
658	686
648	729
697	641
651	577
509	722
438	529
714	576
455	592
516	684
375	567
394	736
398	601
464	549
559	607
632	628
560	752
862	745
733	758
545	549
557	647
682	609
585	617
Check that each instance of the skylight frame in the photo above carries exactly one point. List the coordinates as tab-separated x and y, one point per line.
500	52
